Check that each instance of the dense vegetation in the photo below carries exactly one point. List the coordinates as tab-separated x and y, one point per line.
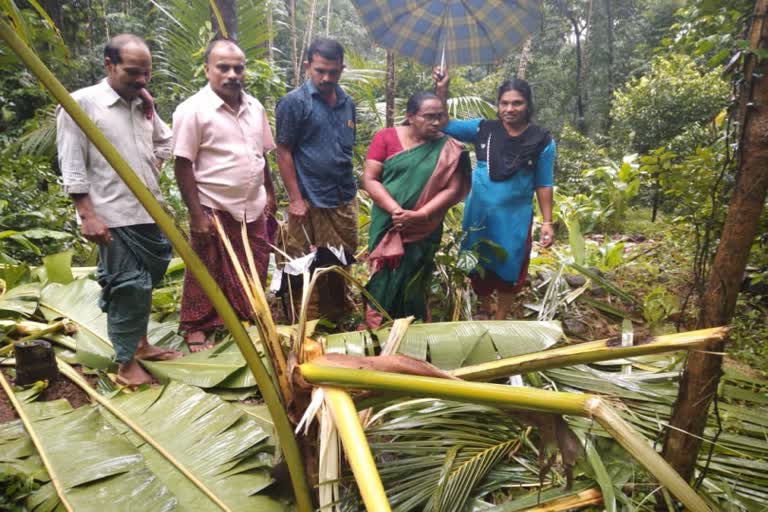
638	95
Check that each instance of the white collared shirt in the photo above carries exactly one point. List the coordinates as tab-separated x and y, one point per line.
140	142
227	151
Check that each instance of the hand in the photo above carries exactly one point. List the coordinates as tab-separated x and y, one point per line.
200	225
406	219
440	78
546	235
149	103
298	209
271	206
95	230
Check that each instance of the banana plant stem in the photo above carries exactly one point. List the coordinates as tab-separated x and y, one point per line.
283	427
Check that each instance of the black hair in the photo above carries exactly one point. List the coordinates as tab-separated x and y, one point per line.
521	86
115	44
417	98
216	42
327	48
415	101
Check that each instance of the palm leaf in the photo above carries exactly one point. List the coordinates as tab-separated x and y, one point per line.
414	437
451	345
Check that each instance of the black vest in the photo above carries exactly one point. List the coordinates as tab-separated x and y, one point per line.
504	154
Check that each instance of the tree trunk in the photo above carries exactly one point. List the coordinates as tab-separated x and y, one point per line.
702	372
609	23
228	11
577	29
525	54
295	57
390	90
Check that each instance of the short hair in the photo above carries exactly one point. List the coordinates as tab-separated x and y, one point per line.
327	48
524	88
216	42
115	44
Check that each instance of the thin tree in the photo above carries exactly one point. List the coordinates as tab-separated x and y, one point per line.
702	372
227	9
389	97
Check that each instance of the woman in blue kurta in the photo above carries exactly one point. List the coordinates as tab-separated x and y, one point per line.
515	158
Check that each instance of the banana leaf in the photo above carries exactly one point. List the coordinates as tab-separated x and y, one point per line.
20	301
94	465
220	444
451	345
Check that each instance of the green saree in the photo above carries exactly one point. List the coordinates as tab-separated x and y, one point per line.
400	285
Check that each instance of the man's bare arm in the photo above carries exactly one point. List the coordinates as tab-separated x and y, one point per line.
92	226
296	206
199	224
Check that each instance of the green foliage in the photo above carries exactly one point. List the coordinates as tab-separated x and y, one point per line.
658	305
709	30
16	487
615	185
660	105
575	154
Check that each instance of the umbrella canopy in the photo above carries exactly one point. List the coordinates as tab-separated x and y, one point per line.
468	31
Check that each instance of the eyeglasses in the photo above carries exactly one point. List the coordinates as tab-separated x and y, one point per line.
431	118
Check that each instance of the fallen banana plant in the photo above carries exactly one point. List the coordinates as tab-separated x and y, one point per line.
107	463
210	453
287	440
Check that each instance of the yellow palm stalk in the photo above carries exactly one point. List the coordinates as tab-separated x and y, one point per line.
357	450
504	396
590	352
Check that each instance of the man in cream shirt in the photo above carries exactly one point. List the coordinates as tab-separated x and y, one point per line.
220	136
133	253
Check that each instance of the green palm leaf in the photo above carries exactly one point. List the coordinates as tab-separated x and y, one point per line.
451	345
413	438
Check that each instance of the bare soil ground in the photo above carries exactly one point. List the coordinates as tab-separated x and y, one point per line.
59	388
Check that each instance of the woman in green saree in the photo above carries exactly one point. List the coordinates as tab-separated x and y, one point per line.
414	174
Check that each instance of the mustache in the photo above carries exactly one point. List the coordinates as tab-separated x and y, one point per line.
233	83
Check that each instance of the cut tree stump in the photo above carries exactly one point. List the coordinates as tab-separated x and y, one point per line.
35	361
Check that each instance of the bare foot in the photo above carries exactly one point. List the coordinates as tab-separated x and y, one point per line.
197	341
132	374
147	352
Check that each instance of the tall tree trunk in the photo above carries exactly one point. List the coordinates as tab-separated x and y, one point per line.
295	57
702	373
390	90
577	30
609	23
328	19
309	33
525	54
228	11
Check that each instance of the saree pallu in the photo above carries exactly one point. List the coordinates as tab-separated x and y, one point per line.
401	262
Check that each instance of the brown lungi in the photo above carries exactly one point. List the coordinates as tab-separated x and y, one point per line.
321	227
197	312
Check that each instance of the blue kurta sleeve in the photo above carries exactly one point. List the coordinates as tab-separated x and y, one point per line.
465	131
545	167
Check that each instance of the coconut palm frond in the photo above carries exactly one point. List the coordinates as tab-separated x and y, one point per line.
468	107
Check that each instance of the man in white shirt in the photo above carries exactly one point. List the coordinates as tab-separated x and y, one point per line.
133	253
220	136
